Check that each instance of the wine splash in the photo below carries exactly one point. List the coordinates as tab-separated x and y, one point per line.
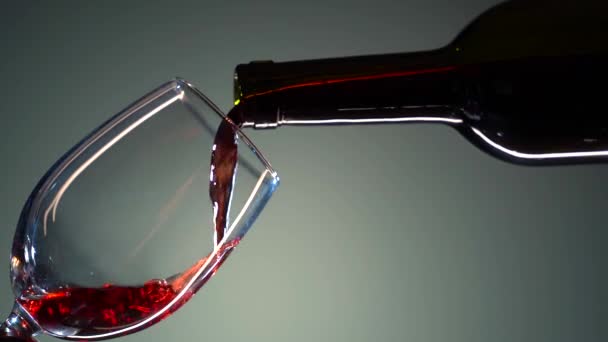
93	311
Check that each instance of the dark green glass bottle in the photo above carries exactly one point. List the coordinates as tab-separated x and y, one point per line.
524	81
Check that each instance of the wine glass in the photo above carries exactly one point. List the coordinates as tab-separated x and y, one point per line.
132	221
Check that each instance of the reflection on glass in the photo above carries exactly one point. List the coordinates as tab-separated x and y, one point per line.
132	221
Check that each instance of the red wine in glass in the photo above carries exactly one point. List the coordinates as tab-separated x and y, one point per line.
93	311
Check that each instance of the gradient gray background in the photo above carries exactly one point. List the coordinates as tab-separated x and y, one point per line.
393	233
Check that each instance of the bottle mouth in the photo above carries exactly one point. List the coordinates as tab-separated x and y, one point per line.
233	118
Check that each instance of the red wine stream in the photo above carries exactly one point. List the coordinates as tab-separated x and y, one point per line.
224	156
92	311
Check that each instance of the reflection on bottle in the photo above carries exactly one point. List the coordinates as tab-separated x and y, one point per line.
525	90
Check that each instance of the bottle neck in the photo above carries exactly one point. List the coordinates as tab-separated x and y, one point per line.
367	89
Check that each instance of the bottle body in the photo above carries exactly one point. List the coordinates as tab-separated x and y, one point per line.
534	101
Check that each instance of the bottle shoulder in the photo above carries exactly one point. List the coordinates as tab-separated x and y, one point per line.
517	29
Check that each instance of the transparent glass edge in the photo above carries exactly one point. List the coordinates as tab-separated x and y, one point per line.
47	180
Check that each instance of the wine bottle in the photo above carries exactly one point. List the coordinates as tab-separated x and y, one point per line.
524	82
